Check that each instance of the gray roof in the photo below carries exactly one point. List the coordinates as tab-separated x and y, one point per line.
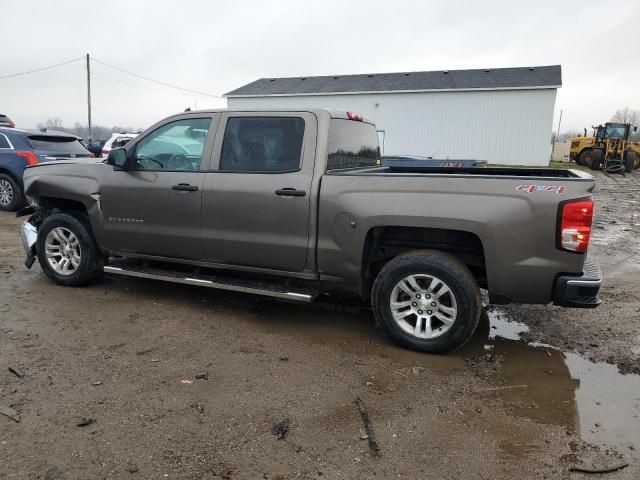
483	79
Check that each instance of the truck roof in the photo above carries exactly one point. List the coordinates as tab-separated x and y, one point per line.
333	113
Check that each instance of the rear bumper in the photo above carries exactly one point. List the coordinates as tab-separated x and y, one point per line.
579	291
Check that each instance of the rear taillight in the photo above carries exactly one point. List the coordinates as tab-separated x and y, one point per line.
575	225
354	116
105	152
30	157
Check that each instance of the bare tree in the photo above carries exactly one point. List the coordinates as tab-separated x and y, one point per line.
626	115
569	134
54	122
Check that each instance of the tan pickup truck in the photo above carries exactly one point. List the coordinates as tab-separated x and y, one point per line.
294	204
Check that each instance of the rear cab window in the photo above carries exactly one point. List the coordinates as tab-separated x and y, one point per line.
58	145
352	144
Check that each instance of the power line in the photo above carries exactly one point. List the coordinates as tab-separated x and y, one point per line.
94	73
155	81
42	68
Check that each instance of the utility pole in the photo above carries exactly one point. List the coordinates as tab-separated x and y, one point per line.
89	95
559	123
553	145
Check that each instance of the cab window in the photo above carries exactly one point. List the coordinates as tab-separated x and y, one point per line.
352	145
175	146
262	144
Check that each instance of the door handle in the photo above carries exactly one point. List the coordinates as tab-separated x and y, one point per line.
185	187
290	192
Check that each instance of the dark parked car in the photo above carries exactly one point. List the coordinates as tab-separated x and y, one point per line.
95	147
20	148
6	121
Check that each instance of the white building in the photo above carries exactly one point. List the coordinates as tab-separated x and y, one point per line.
503	115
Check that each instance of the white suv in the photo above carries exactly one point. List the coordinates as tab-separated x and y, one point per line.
117	140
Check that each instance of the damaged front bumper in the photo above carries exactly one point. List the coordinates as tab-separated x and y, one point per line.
29	235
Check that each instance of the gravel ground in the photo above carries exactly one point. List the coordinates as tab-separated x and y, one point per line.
123	354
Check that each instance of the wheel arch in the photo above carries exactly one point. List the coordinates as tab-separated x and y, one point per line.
8	171
382	243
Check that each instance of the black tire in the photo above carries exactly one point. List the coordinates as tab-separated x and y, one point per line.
596	159
450	271
629	161
9	186
584	158
91	259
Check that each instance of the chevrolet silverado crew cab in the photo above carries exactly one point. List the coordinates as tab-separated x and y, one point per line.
295	204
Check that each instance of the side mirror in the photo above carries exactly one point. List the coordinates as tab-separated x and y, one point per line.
118	158
635	129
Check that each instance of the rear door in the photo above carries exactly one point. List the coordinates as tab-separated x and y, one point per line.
256	199
156	208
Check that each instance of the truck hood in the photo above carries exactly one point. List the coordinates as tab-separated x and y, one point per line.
67	161
76	179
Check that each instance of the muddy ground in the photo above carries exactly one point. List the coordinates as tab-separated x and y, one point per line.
537	391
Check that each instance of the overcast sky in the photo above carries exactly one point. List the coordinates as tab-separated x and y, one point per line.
216	46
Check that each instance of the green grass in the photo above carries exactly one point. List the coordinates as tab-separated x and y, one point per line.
572	165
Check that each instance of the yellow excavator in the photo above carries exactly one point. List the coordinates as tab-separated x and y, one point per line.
608	148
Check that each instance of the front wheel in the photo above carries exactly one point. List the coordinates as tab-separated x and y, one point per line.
67	251
427	300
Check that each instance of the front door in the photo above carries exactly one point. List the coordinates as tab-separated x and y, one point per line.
156	208
256	199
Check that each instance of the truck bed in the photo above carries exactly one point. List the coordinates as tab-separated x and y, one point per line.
512	212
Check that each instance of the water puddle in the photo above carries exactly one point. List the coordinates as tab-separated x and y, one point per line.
591	399
534	380
502	327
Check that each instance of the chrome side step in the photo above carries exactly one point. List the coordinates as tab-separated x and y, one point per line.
219	282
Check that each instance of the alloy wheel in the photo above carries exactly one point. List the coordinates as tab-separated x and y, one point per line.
423	306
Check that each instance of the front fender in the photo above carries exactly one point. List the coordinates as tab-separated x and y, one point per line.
68	186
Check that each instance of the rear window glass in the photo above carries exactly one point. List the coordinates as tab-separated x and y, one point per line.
120	142
57	144
4	141
352	145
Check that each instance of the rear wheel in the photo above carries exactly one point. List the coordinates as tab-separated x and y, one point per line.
596	159
584	158
67	251
629	161
427	300
11	197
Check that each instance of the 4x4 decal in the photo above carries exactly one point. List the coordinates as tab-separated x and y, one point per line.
542	188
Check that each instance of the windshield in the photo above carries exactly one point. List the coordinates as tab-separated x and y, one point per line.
352	145
615	130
